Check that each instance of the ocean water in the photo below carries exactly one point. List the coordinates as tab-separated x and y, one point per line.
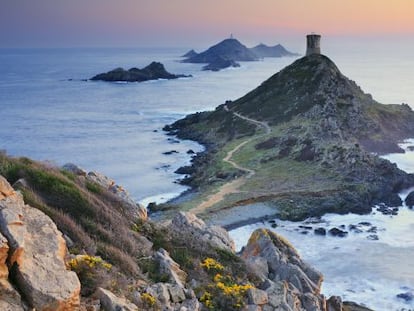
356	267
49	113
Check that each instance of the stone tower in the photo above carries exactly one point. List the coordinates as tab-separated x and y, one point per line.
313	44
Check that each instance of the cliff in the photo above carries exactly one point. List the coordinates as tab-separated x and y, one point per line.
153	71
310	136
123	262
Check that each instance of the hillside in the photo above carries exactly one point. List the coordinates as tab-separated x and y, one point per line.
71	240
320	154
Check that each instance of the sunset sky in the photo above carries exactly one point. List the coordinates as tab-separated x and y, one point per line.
194	22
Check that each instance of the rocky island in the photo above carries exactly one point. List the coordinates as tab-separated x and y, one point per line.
305	142
230	51
153	71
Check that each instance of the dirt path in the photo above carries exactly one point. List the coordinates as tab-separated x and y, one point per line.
232	186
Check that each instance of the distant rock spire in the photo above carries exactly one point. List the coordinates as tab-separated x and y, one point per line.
313	44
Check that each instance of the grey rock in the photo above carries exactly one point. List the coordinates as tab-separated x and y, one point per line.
169	267
110	302
257	296
187	224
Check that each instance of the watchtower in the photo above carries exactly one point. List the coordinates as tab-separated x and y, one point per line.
313	44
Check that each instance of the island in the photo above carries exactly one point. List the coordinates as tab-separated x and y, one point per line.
153	71
229	52
305	142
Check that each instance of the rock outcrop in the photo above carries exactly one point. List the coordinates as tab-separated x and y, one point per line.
168	266
110	302
288	281
187	224
36	259
109	184
153	71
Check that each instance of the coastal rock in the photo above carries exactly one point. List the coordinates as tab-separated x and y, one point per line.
408	296
153	71
289	276
338	232
409	200
169	267
320	231
334	303
110	302
36	256
257	296
187	224
74	169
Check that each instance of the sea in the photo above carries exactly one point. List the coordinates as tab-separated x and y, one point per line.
50	112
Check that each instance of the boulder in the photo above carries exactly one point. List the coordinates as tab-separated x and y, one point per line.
338	232
36	256
73	168
257	296
320	231
110	302
169	267
187	224
334	303
4	250
409	200
287	274
190	305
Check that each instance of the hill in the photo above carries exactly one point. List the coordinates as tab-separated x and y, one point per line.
54	220
320	155
229	51
153	71
263	50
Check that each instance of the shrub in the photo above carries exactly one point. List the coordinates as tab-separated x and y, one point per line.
224	292
92	271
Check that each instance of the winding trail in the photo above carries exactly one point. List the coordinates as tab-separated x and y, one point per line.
232	186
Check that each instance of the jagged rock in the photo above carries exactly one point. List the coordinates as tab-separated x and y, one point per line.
190	305
6	189
73	168
36	256
9	298
408	296
160	292
169	267
257	296
320	231
177	293
4	249
334	303
409	200
288	275
110	302
187	224
338	232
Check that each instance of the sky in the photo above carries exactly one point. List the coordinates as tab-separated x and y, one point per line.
55	23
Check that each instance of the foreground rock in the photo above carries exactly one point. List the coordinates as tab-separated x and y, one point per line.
36	256
187	224
110	302
288	281
153	71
